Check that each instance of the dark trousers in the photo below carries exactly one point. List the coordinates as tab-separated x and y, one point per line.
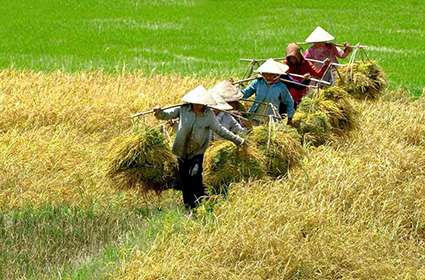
190	173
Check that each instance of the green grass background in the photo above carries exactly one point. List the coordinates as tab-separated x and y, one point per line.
203	37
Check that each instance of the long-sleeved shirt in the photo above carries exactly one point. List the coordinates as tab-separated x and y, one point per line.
326	51
275	94
230	123
301	68
193	132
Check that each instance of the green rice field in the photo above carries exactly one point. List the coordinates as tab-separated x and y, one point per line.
203	37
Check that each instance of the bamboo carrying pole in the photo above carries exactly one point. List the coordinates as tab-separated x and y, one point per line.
313	79
243	81
286	81
322	62
254	101
141	114
290	74
260	59
357	46
296	83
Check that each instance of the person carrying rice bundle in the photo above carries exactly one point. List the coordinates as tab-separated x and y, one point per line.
270	92
298	65
323	48
196	121
230	94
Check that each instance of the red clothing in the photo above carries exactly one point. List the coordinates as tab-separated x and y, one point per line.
301	67
326	51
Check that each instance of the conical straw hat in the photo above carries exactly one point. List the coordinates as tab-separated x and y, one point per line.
199	95
227	91
319	35
221	103
273	67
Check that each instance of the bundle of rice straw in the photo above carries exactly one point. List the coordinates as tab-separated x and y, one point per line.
281	144
142	160
335	102
226	163
311	122
363	79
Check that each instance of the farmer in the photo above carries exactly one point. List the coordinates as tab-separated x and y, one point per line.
323	48
298	65
270	92
228	96
192	138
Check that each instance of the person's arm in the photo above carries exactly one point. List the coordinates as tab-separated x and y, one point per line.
166	114
343	53
307	54
250	89
235	126
223	132
316	71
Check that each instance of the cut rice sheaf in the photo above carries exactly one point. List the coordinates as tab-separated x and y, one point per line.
226	163
281	145
142	160
363	79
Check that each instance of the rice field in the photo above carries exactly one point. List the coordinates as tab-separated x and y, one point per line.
197	37
354	210
62	218
350	205
56	132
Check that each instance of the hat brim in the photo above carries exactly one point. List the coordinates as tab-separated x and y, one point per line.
272	67
199	95
222	107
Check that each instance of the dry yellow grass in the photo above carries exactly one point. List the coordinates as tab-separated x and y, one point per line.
355	210
55	130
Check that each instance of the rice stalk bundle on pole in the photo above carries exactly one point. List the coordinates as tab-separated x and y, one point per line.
281	145
142	161
312	123
225	163
335	102
363	79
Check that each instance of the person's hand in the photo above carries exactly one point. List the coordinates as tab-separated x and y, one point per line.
244	144
156	110
290	122
307	76
246	123
326	62
347	47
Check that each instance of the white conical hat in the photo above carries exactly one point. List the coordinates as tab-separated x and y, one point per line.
221	103
227	91
199	95
319	35
273	67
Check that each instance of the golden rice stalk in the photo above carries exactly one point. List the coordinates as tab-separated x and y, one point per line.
315	128
143	160
335	102
226	163
311	122
282	151
363	80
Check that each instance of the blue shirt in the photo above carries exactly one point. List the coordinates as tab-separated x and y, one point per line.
275	94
